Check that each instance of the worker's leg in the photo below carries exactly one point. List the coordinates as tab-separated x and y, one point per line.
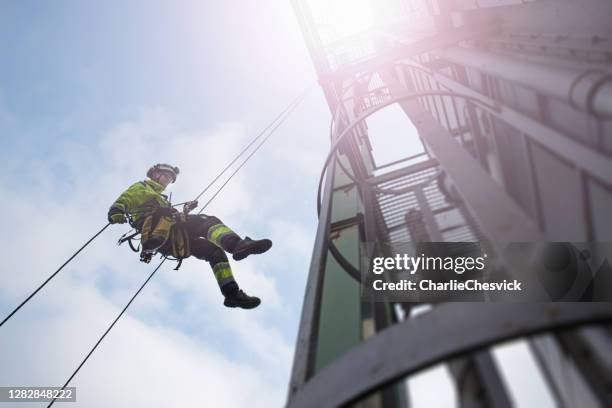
215	231
203	249
234	297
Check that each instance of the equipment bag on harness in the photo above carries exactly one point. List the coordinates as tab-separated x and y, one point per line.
162	225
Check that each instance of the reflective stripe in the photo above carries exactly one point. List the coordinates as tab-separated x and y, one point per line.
223	273
225	281
216	232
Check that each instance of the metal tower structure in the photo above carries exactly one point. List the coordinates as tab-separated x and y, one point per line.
512	103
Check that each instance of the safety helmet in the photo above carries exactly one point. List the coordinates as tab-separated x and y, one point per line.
164	167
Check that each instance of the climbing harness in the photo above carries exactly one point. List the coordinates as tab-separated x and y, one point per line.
164	230
271	127
129	237
161	227
147	254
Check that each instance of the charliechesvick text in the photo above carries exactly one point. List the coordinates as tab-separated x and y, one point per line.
436	275
512	272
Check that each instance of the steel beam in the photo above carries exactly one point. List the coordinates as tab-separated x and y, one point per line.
448	331
304	348
385	58
587	90
497	215
590	351
479	383
395	174
592	161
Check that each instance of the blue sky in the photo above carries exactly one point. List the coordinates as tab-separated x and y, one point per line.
91	94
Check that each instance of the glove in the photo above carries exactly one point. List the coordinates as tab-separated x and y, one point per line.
190	205
116	215
117	219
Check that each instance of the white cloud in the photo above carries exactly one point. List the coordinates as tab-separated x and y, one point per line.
296	237
178	346
137	364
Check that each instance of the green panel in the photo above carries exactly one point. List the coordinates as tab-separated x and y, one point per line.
345	204
340	316
340	177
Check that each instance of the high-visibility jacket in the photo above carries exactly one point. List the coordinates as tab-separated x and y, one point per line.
142	198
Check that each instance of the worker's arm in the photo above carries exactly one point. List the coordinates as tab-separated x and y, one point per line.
126	203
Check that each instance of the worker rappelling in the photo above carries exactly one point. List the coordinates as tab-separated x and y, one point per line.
172	233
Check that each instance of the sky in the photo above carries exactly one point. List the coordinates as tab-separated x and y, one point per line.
93	94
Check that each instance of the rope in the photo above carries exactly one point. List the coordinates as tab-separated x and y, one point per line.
52	275
286	112
109	329
291	106
274	124
279	120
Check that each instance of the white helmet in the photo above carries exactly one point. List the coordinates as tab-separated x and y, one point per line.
164	167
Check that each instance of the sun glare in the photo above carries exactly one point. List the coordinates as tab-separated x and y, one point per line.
348	17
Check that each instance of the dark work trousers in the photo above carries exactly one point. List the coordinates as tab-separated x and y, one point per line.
209	238
198	227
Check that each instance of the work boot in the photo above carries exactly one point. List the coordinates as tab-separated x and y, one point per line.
247	246
240	299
